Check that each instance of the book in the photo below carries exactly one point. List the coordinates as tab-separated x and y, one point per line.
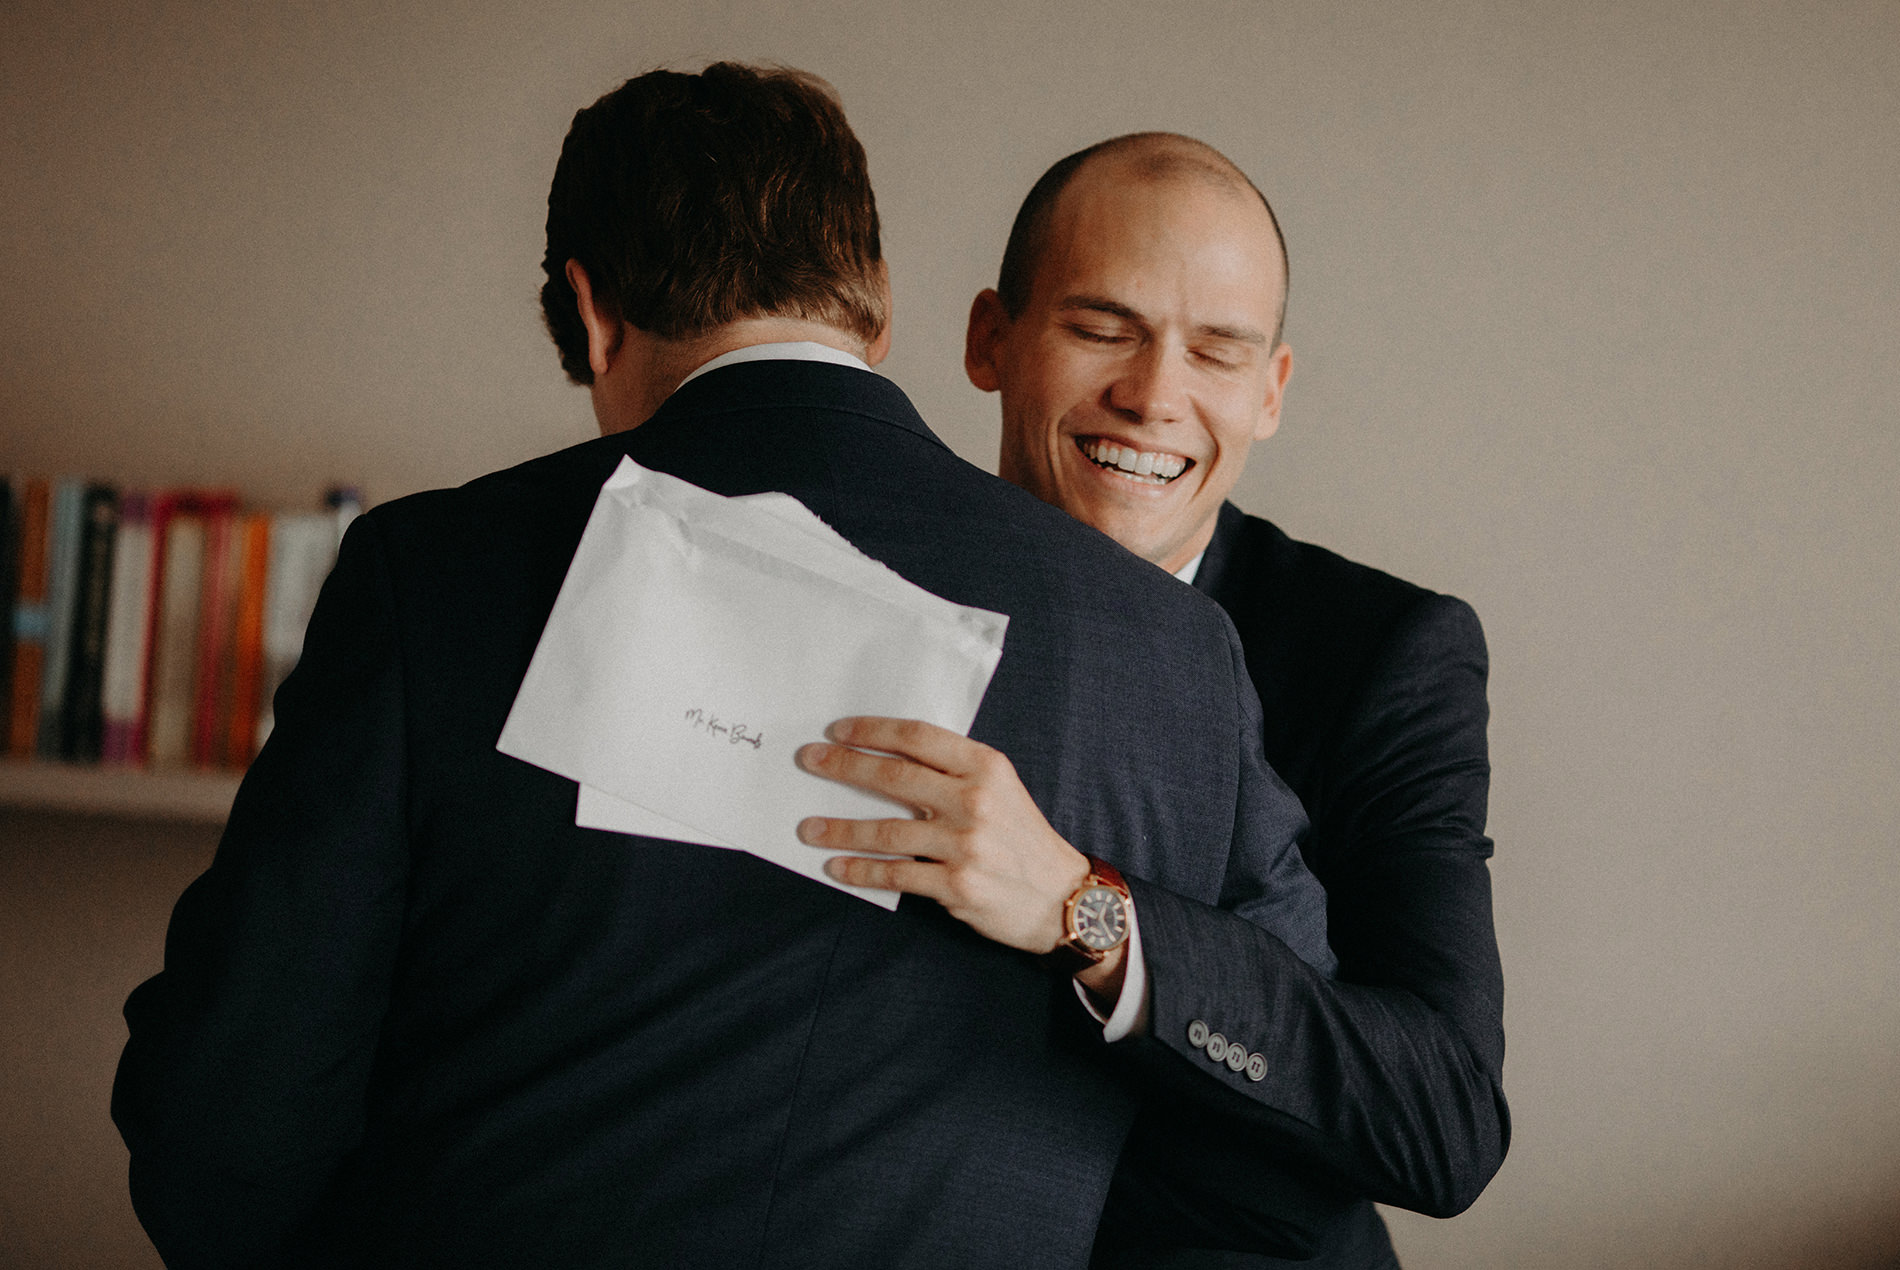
170	690
9	586
217	622
128	632
302	549
180	618
62	594
81	735
181	520
247	643
29	623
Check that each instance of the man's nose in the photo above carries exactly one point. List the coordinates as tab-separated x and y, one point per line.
1151	387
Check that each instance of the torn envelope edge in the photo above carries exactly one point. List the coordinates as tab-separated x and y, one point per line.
752	518
822	551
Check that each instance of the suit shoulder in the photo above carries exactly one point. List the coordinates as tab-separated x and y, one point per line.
1324	634
525	500
503	540
1265	576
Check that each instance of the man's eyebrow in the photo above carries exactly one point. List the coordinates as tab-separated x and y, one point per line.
1114	308
1099	304
1239	334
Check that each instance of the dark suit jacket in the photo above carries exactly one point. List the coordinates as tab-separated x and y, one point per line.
1372	693
412	1015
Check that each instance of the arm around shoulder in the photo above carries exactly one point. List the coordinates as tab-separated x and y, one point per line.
1385	1081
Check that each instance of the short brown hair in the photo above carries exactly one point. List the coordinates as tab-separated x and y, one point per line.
1159	154
697	200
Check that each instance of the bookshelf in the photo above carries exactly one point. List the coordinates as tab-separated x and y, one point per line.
180	794
149	630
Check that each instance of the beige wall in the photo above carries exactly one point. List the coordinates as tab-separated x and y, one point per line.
1595	321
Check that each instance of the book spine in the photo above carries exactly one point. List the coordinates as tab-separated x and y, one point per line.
247	663
29	623
9	592
82	738
216	615
122	698
175	642
62	596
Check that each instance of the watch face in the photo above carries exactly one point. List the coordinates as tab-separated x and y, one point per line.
1100	920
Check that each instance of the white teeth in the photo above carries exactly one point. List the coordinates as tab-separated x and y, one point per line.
1151	466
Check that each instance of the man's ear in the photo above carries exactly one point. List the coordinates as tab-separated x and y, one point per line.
603	332
983	339
1279	369
880	348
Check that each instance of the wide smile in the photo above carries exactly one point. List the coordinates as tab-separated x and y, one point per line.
1144	467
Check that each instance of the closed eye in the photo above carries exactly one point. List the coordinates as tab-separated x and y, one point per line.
1223	358
1094	336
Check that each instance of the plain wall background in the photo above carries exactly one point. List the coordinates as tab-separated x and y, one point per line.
1595	321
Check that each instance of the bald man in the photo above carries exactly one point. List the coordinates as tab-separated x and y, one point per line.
1135	340
1134	337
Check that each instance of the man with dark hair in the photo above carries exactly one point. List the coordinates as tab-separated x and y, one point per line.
1135	339
412	1014
739	217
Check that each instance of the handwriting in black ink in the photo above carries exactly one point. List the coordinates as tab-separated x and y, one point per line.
733	733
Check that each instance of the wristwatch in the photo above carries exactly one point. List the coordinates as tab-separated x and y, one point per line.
1094	919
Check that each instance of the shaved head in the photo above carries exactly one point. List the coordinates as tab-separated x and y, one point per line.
1134	338
1158	157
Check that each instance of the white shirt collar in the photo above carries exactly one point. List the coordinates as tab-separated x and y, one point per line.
791	351
1188	571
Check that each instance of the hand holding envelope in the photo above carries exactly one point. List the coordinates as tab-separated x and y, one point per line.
699	640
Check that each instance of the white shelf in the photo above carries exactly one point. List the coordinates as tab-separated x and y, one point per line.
178	794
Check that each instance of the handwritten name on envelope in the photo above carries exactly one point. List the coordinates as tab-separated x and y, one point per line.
698	641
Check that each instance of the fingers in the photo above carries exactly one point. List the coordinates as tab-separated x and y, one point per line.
884	837
926	743
898	778
912	876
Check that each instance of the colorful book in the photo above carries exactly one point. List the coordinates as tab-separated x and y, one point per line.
81	736
247	643
62	596
9	590
29	623
128	632
217	622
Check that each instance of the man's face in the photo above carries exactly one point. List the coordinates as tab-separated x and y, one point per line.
1140	371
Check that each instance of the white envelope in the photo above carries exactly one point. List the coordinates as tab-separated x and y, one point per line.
698	641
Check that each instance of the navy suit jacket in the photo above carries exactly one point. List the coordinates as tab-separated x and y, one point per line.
412	1015
1388	1082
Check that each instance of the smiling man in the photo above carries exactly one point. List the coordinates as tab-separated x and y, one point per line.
1137	328
414	1014
1135	339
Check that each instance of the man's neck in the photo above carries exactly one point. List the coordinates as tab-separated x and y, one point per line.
646	369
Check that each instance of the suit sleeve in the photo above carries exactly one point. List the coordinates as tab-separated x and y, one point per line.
242	1086
1383	1083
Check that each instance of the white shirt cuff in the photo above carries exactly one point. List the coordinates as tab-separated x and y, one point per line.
1130	1016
